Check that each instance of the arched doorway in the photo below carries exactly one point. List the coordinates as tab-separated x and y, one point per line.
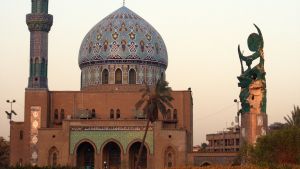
133	154
85	156
111	156
205	164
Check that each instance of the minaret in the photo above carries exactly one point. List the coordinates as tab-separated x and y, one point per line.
36	95
39	23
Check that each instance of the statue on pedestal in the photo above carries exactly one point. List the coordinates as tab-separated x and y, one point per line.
253	90
252	75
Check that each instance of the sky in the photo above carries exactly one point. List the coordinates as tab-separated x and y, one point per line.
201	38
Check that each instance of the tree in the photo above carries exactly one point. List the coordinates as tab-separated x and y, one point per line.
282	145
203	146
154	100
276	126
278	147
4	153
293	120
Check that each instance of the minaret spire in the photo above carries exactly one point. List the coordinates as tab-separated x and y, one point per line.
39	23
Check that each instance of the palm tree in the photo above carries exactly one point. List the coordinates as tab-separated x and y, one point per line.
154	99
294	120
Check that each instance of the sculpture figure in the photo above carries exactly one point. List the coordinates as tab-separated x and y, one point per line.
253	77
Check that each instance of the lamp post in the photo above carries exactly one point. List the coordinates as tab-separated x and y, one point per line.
12	112
238	119
238	110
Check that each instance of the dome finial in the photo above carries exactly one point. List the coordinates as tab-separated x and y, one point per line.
123	2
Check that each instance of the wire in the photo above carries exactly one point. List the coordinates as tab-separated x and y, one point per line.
217	112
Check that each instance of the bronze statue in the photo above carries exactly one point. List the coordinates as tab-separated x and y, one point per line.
253	79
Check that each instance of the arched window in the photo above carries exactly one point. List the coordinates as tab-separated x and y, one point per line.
169	157
118	114
175	114
132	76
169	114
21	135
36	67
43	68
62	114
118	76
105	76
53	157
112	114
56	114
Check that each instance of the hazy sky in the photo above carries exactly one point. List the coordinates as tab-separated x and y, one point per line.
201	38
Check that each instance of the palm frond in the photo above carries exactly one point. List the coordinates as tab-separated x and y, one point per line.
139	103
289	120
162	108
167	101
155	99
294	119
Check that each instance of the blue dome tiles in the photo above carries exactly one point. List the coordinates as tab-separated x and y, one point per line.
123	37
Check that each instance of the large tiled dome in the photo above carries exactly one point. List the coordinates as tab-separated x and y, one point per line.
123	37
122	49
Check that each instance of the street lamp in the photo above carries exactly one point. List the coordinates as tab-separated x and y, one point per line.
12	112
238	119
238	110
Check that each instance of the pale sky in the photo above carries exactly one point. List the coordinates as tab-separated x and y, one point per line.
201	38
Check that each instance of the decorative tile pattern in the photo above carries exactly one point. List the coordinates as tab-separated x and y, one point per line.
123	36
92	75
35	125
100	137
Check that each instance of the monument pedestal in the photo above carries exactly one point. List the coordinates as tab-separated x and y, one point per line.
253	125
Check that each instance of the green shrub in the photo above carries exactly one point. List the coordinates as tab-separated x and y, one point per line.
278	148
46	167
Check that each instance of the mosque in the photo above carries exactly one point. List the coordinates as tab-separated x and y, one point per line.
98	126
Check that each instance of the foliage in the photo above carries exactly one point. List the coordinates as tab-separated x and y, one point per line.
4	153
240	167
278	147
203	146
276	126
293	120
153	101
46	167
244	155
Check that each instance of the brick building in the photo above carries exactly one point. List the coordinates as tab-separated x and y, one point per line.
99	126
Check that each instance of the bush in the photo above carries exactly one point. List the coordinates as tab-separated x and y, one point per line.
4	153
46	167
279	148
